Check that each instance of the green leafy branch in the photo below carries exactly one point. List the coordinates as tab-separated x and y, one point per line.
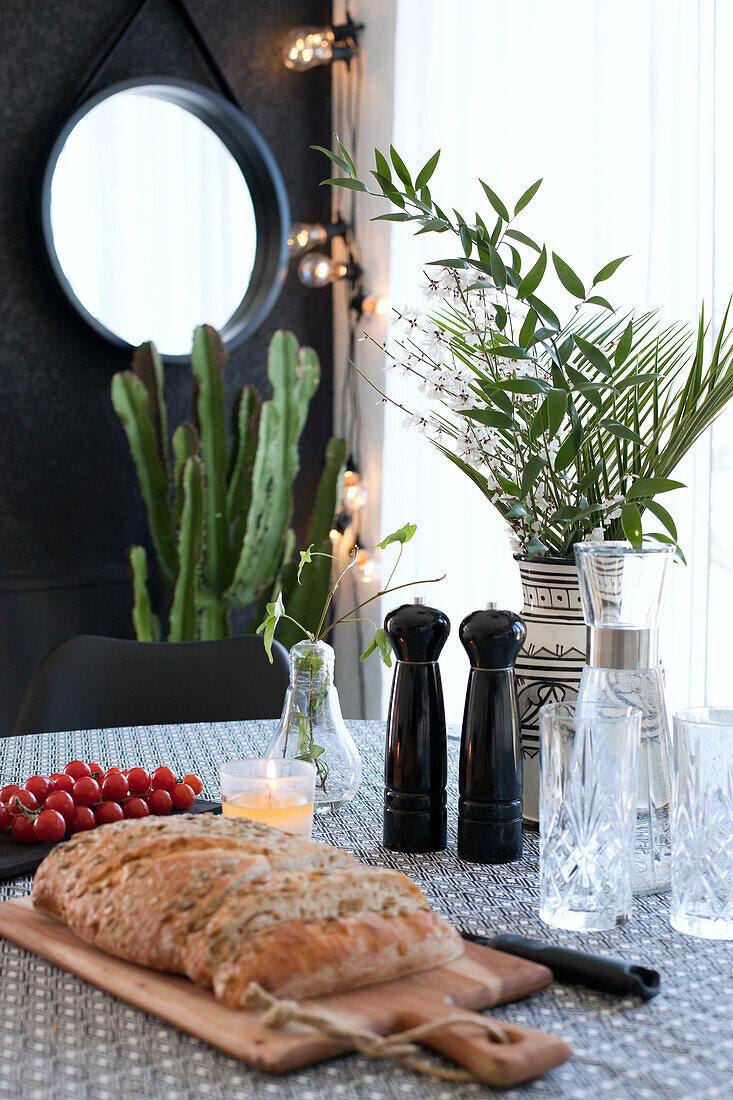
275	611
564	426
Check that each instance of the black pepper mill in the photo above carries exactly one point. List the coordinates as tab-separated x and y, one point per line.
490	774
415	768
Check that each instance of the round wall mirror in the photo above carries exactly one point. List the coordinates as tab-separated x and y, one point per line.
162	209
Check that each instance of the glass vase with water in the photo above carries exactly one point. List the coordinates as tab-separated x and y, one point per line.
312	728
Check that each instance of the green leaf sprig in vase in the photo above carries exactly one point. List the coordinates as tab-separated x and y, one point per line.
571	428
311	727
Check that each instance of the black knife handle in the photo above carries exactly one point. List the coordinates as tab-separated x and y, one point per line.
578	967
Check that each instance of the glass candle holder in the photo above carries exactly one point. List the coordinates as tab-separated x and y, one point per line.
702	832
588	760
277	792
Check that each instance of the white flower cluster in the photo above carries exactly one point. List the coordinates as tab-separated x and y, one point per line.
452	354
451	386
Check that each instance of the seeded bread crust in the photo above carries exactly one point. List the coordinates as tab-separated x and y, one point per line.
97	858
281	898
146	914
300	959
150	910
232	901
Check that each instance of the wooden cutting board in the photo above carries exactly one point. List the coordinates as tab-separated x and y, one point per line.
480	978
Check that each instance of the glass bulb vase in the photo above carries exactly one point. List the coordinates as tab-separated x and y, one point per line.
621	590
312	728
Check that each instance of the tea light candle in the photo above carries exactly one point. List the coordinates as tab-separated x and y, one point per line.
278	792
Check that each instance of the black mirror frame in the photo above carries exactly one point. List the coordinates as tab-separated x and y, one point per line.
260	171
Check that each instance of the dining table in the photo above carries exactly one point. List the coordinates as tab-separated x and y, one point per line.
62	1037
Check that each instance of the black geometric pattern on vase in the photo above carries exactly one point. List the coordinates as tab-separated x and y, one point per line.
551	661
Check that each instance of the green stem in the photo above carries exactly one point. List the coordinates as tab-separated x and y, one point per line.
299	626
330	597
376	596
394	567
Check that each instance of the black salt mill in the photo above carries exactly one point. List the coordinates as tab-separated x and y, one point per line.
415	767
490	773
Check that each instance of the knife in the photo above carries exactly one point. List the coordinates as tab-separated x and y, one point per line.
577	967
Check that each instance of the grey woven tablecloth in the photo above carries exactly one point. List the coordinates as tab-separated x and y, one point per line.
60	1037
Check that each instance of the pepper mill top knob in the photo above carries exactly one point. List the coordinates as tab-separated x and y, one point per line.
492	639
417	633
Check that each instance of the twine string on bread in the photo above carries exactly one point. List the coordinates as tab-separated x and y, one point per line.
402	1046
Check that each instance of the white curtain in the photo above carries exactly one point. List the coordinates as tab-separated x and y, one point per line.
612	102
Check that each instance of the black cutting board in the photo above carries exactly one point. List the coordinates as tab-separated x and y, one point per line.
23	859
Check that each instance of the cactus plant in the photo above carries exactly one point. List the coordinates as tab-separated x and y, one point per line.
219	517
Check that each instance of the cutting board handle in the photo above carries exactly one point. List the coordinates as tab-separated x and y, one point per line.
528	1054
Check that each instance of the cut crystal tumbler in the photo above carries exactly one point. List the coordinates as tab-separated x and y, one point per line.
702	832
621	590
311	727
588	759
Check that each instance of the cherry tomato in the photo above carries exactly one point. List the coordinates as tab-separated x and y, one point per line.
136	807
5	817
115	787
27	799
86	791
60	781
182	796
138	781
77	768
81	820
193	782
38	786
163	779
49	826
107	812
7	792
22	828
62	803
160	801
96	769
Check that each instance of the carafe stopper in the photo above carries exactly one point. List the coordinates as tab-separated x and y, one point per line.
490	774
415	766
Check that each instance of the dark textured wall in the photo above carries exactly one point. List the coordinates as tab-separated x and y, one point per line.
69	502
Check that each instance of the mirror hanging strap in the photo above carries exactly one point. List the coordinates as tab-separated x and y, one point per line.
108	48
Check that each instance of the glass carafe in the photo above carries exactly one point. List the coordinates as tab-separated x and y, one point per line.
621	590
311	726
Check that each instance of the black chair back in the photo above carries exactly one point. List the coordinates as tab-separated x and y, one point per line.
91	682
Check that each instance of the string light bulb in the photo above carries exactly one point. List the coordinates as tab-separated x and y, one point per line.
355	497
316	269
307	47
341	524
304	236
361	304
375	306
367	567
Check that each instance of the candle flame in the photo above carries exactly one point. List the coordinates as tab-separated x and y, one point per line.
271	775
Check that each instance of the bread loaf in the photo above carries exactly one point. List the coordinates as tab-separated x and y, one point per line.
301	896
139	892
228	902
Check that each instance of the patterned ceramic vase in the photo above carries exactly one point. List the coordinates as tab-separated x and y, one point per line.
552	658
